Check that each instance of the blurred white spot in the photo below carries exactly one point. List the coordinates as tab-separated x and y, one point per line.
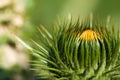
17	20
3	31
19	6
11	57
8	57
4	3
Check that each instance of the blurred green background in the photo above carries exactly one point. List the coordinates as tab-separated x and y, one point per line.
45	11
23	20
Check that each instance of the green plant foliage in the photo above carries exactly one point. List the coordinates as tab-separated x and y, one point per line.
79	50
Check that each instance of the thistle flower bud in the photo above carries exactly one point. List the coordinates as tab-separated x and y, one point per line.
78	51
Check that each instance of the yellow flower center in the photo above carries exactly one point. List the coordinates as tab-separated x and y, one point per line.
88	35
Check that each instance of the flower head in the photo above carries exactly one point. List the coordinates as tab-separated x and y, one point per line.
78	51
88	35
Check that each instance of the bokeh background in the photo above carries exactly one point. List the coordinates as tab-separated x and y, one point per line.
22	17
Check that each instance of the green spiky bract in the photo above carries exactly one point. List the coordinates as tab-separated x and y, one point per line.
62	55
